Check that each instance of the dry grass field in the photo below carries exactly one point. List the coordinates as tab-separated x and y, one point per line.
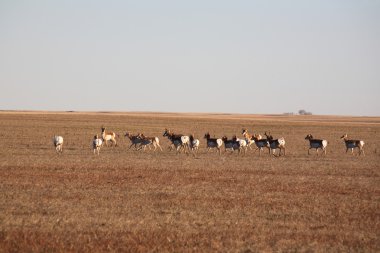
134	201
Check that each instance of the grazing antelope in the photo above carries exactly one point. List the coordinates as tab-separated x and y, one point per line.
213	143
135	139
147	141
351	144
97	144
179	141
194	143
108	137
317	144
58	143
275	144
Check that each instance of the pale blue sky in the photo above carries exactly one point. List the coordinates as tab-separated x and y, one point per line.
191	56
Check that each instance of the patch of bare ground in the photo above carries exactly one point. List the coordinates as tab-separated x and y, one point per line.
134	201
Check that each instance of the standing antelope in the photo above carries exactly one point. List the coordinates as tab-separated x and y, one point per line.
249	139
110	136
194	143
317	144
135	139
261	143
213	143
275	144
58	143
147	141
351	144
96	144
242	144
231	144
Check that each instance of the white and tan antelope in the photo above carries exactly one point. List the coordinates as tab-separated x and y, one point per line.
110	136
179	141
351	144
213	143
149	141
135	139
249	139
58	143
194	143
316	143
97	144
275	144
242	145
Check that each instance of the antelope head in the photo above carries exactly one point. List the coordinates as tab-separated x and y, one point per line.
309	137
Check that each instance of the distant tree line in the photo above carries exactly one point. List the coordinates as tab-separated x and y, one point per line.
304	112
300	112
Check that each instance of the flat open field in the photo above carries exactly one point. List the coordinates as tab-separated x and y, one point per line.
134	201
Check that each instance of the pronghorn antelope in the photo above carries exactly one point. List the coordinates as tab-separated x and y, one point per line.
231	144
179	141
135	139
257	139
317	144
147	141
248	138
58	143
194	143
110	136
275	144
351	144
97	144
242	144
213	143
261	143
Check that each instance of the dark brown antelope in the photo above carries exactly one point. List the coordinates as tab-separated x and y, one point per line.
257	139
135	139
213	143
231	145
179	141
148	141
351	144
316	143
275	144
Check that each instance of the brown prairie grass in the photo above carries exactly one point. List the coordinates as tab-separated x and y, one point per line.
133	201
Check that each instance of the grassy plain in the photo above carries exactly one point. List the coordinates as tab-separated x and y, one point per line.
133	201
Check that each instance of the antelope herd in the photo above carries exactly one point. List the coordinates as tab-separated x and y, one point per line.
188	143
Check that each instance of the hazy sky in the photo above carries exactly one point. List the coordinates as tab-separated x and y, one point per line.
191	56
